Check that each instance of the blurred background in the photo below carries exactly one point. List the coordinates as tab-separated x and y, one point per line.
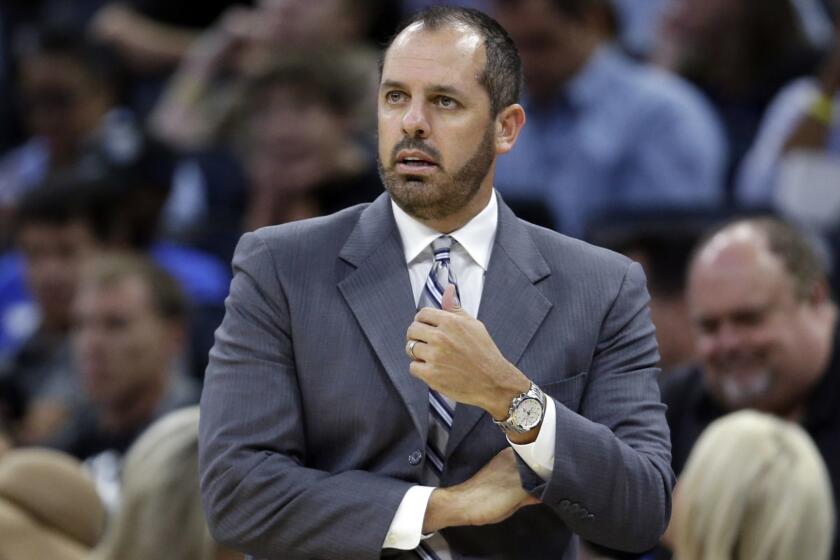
140	138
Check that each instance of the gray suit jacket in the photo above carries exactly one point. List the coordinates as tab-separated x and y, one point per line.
309	415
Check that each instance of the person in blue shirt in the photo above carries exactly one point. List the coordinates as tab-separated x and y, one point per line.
605	132
113	212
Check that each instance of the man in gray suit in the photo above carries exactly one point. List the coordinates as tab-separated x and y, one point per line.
519	405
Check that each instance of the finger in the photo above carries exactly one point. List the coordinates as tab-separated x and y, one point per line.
420	331
450	301
431	316
419	351
420	370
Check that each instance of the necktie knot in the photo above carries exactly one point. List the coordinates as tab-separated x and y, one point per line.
441	247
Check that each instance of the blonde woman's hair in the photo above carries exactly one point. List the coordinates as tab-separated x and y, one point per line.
160	515
755	486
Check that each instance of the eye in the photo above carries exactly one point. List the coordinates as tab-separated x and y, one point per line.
394	96
707	326
446	102
750	317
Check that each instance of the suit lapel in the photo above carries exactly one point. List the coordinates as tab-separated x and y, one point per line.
379	294
512	308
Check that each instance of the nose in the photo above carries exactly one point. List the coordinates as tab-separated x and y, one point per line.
724	340
88	338
415	122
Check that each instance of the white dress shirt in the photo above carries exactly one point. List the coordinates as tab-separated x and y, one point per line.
469	258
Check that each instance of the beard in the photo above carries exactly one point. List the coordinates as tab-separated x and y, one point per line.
742	392
740	381
443	194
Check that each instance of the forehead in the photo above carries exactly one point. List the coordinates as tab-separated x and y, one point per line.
76	232
453	54
733	272
129	293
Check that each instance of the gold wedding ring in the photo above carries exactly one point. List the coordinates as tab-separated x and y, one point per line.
409	349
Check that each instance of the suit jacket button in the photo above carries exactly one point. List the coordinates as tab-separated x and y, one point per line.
415	458
565	504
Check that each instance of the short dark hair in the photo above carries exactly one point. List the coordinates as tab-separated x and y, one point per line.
790	245
63	201
502	74
111	269
98	61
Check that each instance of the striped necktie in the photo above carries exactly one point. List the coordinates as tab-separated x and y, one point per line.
441	408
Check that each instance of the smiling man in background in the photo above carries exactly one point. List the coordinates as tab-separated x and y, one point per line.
766	338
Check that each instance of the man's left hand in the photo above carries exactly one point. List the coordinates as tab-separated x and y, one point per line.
456	356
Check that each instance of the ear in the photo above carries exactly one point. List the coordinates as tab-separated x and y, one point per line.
177	336
820	293
509	123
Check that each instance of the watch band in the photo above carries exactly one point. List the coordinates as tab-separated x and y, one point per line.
509	424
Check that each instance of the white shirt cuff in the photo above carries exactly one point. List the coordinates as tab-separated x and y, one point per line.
539	455
407	526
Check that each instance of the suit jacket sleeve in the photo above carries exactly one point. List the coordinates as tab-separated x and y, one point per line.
258	495
612	478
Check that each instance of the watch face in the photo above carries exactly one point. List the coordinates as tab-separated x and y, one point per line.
528	413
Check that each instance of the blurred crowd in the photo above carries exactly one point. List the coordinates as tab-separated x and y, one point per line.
140	138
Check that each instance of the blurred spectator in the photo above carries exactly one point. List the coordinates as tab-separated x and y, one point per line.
739	55
767	338
160	515
128	337
296	133
794	165
78	129
152	37
754	487
48	507
137	195
244	44
19	21
57	230
155	34
605	133
122	207
70	95
298	143
200	114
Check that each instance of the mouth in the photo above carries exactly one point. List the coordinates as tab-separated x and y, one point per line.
415	163
742	362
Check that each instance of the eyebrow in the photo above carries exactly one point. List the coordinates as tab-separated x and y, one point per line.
436	88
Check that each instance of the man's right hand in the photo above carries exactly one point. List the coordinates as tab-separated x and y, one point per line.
492	495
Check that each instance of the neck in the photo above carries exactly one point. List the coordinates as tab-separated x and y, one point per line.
136	408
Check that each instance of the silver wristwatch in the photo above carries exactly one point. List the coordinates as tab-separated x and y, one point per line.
526	411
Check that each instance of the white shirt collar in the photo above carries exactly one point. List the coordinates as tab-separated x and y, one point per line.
476	236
